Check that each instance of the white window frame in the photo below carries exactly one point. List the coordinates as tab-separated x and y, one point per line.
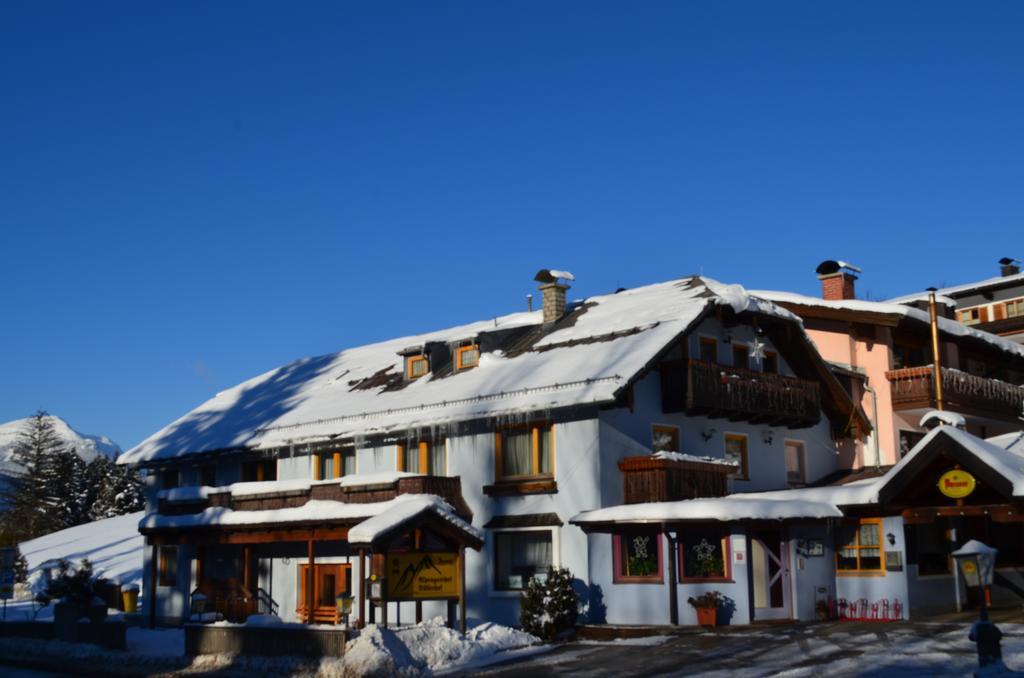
492	560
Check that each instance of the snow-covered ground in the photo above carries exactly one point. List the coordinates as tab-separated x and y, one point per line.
113	546
421	650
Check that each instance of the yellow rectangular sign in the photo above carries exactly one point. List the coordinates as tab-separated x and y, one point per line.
422	576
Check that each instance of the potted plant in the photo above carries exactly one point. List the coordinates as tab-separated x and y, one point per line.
706	605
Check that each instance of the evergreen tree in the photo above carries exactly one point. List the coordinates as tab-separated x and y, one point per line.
30	495
551	607
69	487
119	492
21	569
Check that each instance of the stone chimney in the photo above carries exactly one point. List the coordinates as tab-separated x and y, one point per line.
837	278
553	288
1008	266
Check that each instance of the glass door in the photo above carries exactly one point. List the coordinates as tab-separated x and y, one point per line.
769	573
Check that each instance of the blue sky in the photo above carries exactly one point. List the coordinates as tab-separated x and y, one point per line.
194	193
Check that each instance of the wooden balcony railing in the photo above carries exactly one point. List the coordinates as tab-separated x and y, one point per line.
912	388
745	395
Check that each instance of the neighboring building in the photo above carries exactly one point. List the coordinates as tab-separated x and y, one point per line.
882	353
491	437
994	305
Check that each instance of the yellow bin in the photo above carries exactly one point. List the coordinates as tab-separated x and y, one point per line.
131	599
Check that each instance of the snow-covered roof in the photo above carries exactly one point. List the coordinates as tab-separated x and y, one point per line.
374	518
733	507
947	326
585	360
966	287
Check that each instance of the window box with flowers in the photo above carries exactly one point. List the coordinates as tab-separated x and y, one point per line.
636	558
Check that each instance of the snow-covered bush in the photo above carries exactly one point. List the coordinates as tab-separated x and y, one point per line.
549	607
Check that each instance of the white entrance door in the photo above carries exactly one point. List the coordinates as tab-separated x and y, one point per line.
769	571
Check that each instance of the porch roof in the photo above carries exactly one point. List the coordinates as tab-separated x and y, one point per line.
366	522
731	508
998	461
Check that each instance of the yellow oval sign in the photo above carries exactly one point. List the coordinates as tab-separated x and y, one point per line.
956	484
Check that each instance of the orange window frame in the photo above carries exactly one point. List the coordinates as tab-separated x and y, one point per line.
460	363
880	547
744	472
726	561
424	457
342	576
536	430
410	366
168	573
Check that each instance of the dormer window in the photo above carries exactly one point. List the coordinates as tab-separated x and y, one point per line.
416	366
467	357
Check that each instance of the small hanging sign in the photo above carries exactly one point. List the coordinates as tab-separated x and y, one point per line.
957	483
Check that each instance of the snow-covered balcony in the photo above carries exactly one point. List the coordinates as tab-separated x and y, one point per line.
281	494
671	476
913	389
738	394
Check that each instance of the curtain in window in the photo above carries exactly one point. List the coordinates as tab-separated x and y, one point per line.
411	457
520	556
437	461
544	441
517	454
348	462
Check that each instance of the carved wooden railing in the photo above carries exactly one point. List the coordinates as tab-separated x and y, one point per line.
746	395
913	388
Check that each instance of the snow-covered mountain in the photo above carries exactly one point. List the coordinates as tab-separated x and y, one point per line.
87	446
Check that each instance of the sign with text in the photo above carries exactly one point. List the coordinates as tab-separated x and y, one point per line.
957	484
422	576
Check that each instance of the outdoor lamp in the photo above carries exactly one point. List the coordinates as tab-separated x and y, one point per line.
344	602
976	562
198	602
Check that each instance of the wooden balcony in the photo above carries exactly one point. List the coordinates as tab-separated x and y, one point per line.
912	389
737	394
649	478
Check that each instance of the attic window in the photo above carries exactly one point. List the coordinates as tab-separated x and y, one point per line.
416	366
467	357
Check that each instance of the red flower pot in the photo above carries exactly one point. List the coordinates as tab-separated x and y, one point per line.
707	616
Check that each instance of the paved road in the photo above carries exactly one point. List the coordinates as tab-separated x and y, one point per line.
836	650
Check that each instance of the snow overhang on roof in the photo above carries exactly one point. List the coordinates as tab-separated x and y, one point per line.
586	359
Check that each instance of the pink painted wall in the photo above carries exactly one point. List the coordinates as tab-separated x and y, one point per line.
875	358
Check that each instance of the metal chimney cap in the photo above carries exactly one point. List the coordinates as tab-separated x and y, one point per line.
830	266
548	275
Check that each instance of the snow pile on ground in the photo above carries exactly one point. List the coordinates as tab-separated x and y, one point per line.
113	546
423	649
440	647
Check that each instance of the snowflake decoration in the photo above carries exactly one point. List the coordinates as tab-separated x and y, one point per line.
757	350
640	547
704	550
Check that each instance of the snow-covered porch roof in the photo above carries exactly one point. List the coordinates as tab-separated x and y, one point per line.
361	524
998	463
